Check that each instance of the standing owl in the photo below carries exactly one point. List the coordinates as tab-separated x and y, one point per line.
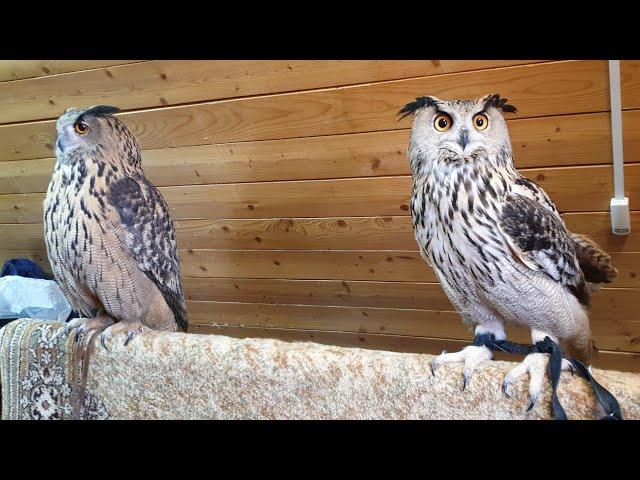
109	236
494	238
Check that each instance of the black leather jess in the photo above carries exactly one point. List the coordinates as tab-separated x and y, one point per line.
604	397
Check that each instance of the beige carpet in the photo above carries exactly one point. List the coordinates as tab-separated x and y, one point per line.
190	376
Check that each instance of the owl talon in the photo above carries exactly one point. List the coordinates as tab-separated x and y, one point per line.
435	362
472	356
102	341
534	364
505	389
130	335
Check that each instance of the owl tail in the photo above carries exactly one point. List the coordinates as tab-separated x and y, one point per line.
595	263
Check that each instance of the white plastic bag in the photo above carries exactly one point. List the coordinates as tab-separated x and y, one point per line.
32	298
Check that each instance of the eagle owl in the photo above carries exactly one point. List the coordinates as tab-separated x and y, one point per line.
109	236
494	238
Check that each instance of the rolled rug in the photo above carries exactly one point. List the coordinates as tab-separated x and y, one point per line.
162	375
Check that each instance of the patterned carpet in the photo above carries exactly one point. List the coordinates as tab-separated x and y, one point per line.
40	366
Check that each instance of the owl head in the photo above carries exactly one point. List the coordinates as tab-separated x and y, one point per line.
97	133
458	131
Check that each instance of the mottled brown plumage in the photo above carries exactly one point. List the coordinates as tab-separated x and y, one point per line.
109	235
595	263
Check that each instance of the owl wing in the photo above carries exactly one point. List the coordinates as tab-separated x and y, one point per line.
147	234
595	263
539	239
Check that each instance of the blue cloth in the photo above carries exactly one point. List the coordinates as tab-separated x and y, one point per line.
23	267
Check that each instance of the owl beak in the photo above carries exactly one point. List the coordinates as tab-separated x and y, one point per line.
463	139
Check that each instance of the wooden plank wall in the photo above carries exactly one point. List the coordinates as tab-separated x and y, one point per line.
289	184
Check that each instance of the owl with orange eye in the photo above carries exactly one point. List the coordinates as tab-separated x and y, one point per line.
109	235
495	239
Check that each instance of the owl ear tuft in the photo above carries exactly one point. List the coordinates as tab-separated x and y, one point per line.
420	102
500	103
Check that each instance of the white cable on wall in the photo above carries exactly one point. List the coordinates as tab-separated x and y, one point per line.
620	219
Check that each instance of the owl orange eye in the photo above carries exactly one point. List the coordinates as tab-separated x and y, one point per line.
480	121
443	122
81	128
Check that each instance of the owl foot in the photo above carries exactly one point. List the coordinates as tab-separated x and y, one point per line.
535	364
82	326
131	329
472	356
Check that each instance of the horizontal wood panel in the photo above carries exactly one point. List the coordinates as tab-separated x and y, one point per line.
346	319
537	142
356	233
628	265
20	69
575	189
345	293
170	82
331	233
400	343
630	83
615	324
318	265
552	88
321	265
613	319
346	265
608	304
598	227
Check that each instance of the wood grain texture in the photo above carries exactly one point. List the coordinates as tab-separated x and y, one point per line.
552	88
399	343
630	83
303	264
330	233
576	189
160	83
320	265
402	295
537	142
620	332
613	315
21	69
598	227
346	319
628	265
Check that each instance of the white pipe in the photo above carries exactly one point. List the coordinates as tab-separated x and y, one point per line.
616	128
620	216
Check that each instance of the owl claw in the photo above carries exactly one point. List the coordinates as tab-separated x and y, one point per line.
471	356
130	335
505	389
102	341
535	365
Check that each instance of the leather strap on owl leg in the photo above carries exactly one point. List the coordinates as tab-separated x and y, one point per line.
555	363
604	397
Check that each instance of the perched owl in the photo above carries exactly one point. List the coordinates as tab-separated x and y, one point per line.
494	238
110	239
